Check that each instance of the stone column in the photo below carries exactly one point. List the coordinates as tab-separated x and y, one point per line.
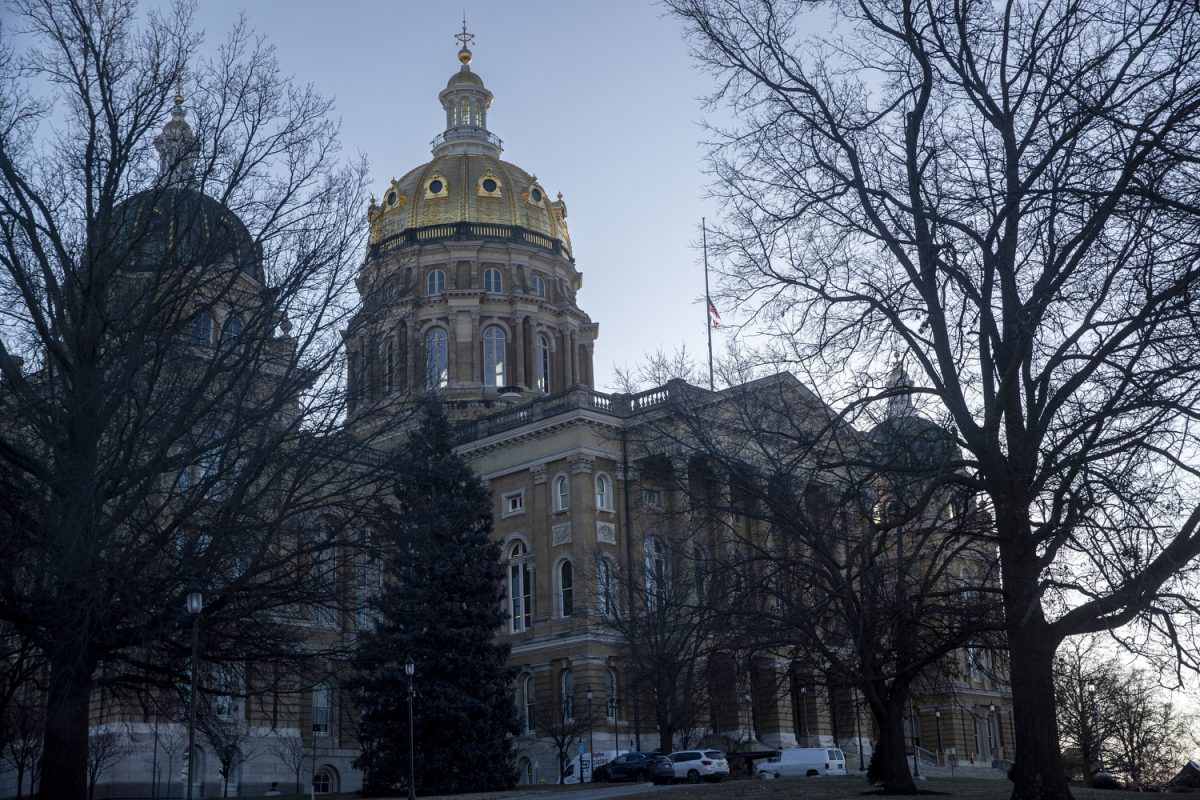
519	350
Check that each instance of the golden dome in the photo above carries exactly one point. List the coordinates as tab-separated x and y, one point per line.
468	182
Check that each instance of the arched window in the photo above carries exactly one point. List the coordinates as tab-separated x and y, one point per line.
437	359
325	780
537	286
389	366
610	694
202	328
566	589
525	771
604	497
520	586
655	570
231	334
568	695
528	707
435	283
542	361
493	357
493	281
604	594
562	493
321	696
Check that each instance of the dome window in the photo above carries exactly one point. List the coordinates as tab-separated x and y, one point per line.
489	185
436	187
392	198
535	194
537	286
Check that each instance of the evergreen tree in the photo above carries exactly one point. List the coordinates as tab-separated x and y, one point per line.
442	606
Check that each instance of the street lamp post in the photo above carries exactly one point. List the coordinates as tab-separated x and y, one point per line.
195	604
1096	725
617	724
992	730
937	716
804	710
409	669
916	738
591	741
858	732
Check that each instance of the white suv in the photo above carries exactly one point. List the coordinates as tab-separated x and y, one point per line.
696	765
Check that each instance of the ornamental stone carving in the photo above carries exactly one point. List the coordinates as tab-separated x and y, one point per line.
581	464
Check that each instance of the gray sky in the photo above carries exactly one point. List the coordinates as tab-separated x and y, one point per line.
599	99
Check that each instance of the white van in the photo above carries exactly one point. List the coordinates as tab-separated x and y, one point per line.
803	762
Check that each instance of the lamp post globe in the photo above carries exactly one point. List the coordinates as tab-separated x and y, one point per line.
194	605
410	669
587	693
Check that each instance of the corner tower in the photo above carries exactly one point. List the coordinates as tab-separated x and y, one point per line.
469	284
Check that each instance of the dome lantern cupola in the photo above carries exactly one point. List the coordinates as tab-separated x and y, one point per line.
176	147
466	102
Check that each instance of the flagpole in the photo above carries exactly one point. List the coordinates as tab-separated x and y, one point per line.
707	303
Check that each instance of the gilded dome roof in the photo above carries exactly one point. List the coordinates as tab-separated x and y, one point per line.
468	182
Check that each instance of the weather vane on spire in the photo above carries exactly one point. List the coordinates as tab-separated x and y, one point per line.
464	55
464	37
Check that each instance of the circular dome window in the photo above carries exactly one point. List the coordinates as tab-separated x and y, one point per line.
436	186
490	185
535	195
392	198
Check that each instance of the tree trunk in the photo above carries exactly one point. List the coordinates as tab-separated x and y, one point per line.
65	749
1038	771
890	758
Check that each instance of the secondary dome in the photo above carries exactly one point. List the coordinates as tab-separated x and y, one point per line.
175	224
468	183
908	442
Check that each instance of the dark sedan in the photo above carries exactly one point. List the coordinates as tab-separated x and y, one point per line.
628	767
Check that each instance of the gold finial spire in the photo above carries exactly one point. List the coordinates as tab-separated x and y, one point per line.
464	55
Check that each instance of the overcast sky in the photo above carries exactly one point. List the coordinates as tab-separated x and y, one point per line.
600	100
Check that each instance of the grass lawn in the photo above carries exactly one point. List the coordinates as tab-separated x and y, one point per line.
849	788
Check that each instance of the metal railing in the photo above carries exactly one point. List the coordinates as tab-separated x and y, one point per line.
573	399
473	230
466	132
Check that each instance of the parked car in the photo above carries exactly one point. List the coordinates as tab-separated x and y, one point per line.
663	771
628	767
696	765
803	762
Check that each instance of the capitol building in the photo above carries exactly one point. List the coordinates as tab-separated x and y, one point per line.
471	289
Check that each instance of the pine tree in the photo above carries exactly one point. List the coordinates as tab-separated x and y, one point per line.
442	606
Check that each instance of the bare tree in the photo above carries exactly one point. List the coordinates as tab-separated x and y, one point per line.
171	369
1085	681
563	724
1149	735
172	742
107	747
24	725
291	752
1006	193
852	555
666	635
